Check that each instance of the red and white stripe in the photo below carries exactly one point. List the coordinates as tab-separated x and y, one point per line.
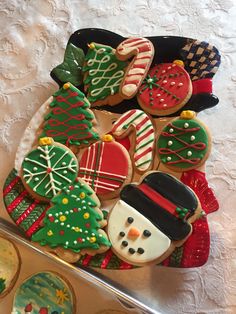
143	50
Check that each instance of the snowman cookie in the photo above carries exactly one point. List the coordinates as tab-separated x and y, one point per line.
152	218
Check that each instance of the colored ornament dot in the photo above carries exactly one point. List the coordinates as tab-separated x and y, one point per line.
171	130
87	225
170	143
92	239
164	82
189	153
65	201
186	125
140	250
192	138
165	105
80	240
82	195
180	84
75	242
124	243
168	158
86	215
77	229
68	226
131	251
161	100
49	170
62	232
158	95
122	234
51	219
62	223
169	68
50	233
172	83
75	210
62	218
86	231
163	71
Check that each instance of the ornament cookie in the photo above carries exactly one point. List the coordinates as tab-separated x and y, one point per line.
166	89
142	51
70	121
10	263
44	293
152	218
48	168
103	75
73	223
139	122
106	167
184	143
201	59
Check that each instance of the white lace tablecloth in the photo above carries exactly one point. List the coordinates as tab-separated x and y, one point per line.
32	41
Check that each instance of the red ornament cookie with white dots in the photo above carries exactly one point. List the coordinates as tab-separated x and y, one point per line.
166	89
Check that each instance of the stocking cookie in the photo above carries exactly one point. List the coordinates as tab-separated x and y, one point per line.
106	167
184	143
142	51
48	168
70	121
152	218
103	75
139	122
166	89
73	223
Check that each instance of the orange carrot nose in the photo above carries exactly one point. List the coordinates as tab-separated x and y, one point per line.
133	232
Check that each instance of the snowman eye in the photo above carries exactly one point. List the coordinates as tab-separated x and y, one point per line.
130	220
146	233
124	243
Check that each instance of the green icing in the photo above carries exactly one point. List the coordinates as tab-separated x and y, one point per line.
2	285
48	168
73	221
71	68
183	143
70	121
104	72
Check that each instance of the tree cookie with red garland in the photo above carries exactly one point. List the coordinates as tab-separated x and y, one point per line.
48	168
152	218
184	143
166	89
105	166
72	225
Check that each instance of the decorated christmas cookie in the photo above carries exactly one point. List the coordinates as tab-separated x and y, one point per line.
166	88
9	266
139	122
73	223
103	75
106	167
152	218
184	143
142	51
70	121
44	293
48	168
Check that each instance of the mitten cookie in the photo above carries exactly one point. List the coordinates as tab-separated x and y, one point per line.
166	89
152	218
142	51
73	223
48	168
70	121
144	136
103	75
184	143
105	166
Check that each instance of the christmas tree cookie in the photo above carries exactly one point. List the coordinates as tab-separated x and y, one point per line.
184	143
103	75
70	121
48	168
73	223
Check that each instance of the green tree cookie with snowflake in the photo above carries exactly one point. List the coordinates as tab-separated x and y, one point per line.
74	222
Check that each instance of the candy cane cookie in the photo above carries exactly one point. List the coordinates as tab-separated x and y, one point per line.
145	136
143	51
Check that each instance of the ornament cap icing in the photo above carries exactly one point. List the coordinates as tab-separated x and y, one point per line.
66	85
179	63
107	138
45	141
188	114
91	45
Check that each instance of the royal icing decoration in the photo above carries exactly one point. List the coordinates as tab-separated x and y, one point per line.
73	221
44	293
48	168
70	122
166	88
183	143
143	51
145	136
103	73
133	237
104	166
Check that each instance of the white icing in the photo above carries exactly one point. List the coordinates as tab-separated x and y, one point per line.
154	246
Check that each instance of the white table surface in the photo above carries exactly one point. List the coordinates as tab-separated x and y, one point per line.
32	40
